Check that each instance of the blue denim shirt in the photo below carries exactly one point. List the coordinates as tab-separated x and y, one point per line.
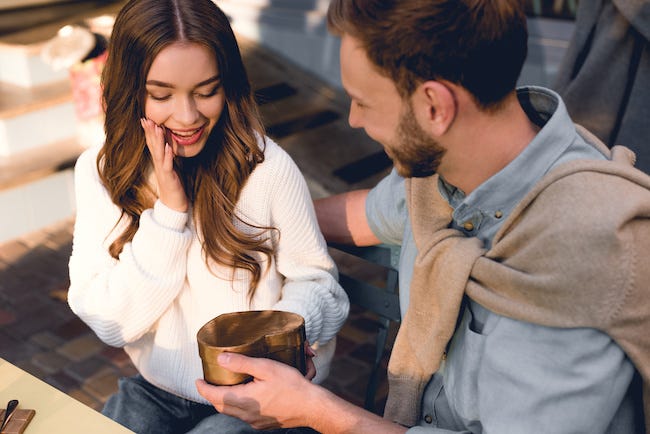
501	375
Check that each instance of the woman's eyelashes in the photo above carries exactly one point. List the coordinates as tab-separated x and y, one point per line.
159	97
215	90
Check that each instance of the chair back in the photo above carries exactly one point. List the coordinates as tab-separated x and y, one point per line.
375	291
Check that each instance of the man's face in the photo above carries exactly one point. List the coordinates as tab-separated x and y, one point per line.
379	109
414	152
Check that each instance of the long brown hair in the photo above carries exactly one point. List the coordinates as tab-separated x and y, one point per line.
214	178
478	44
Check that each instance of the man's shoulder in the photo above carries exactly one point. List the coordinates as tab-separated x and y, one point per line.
579	219
389	190
386	209
588	191
598	185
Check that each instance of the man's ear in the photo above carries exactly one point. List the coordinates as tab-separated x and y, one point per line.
438	106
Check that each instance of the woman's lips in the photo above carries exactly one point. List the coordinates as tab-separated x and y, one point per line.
187	138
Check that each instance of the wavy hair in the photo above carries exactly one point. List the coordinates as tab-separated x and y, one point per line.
214	178
478	44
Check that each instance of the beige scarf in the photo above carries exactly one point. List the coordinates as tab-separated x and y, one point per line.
573	253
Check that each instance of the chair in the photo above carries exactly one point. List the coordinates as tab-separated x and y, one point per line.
382	301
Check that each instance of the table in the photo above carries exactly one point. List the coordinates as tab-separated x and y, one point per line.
56	412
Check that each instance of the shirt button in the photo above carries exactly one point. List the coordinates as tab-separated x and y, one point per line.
428	418
469	227
498	214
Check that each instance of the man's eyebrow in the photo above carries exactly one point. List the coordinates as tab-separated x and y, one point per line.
157	83
349	93
355	97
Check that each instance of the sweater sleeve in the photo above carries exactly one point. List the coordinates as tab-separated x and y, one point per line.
311	286
122	299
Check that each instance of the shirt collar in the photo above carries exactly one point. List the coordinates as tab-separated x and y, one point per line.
500	193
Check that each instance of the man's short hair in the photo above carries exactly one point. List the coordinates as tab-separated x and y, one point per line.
478	44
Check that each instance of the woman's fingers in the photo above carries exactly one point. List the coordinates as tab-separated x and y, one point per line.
168	161
154	138
160	150
170	189
311	367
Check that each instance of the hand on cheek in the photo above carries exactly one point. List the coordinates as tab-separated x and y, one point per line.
170	188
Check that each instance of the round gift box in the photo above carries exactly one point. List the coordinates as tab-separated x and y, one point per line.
272	334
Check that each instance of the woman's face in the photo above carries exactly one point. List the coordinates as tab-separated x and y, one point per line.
185	96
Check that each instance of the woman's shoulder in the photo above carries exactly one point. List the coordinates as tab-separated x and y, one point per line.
87	161
272	151
278	169
89	187
276	159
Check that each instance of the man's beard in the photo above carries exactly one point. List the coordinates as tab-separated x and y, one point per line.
414	152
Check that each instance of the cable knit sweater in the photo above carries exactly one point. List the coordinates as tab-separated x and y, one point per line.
153	300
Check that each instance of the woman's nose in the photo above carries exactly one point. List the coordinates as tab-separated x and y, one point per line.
186	111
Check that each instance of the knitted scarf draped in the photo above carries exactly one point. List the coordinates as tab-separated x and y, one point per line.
573	253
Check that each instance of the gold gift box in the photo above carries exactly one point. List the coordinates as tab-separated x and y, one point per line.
271	334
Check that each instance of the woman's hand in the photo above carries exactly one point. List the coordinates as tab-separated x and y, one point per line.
309	356
170	188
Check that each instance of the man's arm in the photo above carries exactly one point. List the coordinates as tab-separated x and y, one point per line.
280	397
342	219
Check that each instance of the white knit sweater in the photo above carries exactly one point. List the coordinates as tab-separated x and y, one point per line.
153	300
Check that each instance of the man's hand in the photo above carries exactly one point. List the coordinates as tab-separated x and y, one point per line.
280	397
277	397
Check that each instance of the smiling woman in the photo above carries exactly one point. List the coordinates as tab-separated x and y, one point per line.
189	211
187	101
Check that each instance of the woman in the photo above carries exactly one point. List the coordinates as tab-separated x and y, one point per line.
188	211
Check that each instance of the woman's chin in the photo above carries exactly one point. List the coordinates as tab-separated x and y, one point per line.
188	151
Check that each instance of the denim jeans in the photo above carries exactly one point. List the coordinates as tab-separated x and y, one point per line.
145	409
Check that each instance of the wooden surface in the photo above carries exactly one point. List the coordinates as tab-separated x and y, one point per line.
56	412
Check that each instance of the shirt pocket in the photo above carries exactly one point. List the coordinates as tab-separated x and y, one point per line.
461	373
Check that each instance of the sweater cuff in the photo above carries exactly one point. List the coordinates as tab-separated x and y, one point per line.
169	218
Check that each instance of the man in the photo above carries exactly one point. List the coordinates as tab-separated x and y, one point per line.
523	284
